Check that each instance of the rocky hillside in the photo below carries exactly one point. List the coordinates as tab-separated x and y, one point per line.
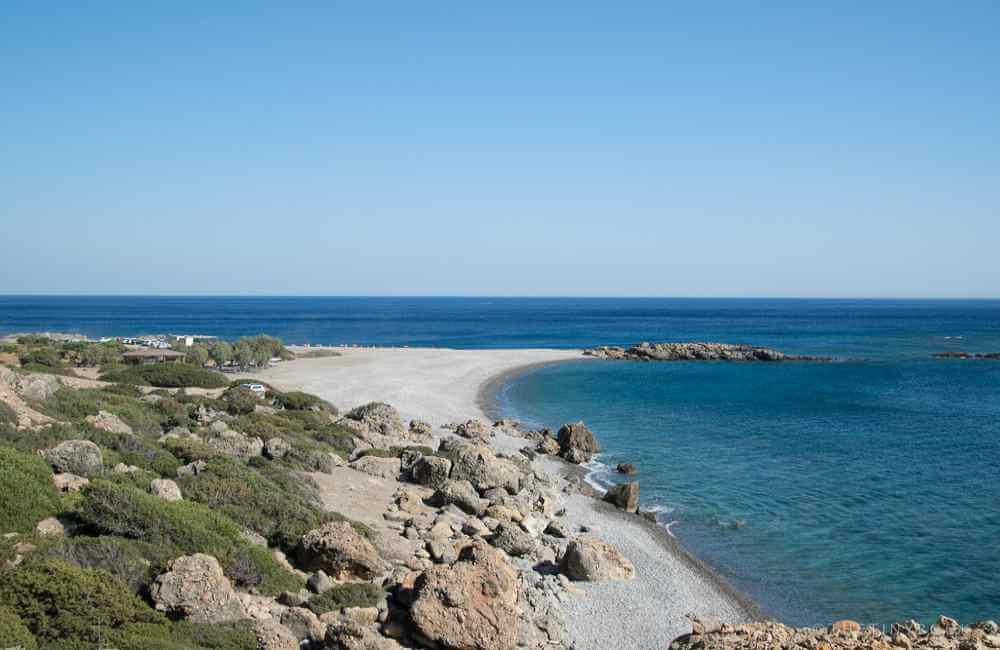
695	352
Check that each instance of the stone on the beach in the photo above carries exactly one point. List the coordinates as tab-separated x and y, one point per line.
420	429
577	443
509	538
67	482
471	604
341	551
459	493
165	489
109	422
196	588
387	468
557	528
276	448
473	429
80	457
548	445
625	497
593	560
481	467
377	417
845	626
431	471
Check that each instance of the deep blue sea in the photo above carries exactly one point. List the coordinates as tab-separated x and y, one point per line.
866	488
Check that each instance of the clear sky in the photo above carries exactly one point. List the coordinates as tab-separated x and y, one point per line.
431	148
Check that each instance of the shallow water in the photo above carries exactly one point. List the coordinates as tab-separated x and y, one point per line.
865	490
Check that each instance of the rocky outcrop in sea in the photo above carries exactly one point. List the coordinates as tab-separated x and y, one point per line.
966	355
695	352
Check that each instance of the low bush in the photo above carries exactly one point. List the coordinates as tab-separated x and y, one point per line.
77	404
240	401
27	493
7	415
183	635
167	375
299	401
58	601
133	562
352	594
272	508
13	632
191	527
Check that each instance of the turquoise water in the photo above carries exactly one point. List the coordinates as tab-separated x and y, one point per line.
867	488
862	489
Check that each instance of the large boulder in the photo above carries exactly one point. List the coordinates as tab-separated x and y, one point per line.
80	457
234	443
344	633
379	467
625	497
459	493
431	471
165	489
272	635
471	604
195	588
511	539
341	551
276	448
593	560
38	387
377	417
109	422
577	443
69	482
481	467
473	429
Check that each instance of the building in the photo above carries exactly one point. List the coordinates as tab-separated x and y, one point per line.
152	355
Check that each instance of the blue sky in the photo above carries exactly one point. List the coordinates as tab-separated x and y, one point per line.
723	149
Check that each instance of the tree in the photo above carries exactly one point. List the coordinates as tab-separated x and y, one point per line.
243	354
197	355
221	353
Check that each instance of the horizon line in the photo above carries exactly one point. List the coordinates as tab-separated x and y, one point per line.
489	296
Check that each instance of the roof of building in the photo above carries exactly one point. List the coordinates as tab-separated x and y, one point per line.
151	352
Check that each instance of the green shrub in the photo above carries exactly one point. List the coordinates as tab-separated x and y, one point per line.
278	512
167	375
59	601
77	404
7	414
183	635
191	527
27	493
46	357
240	401
126	390
189	450
13	632
173	412
299	401
133	562
352	594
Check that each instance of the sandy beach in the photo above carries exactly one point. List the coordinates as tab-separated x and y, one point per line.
443	386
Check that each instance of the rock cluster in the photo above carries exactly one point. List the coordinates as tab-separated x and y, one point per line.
695	352
945	634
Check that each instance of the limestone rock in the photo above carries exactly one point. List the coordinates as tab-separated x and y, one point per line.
387	468
512	540
50	527
304	624
276	448
109	422
192	469
473	429
272	635
234	443
37	388
548	445
481	467
80	457
122	468
319	582
339	550
590	559
165	489
577	443
624	497
377	417
431	471
195	588
420	429
459	493
346	634
471	604
67	482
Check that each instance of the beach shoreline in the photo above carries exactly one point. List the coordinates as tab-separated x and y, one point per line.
444	386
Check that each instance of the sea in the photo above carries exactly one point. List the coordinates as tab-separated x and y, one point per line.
865	488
